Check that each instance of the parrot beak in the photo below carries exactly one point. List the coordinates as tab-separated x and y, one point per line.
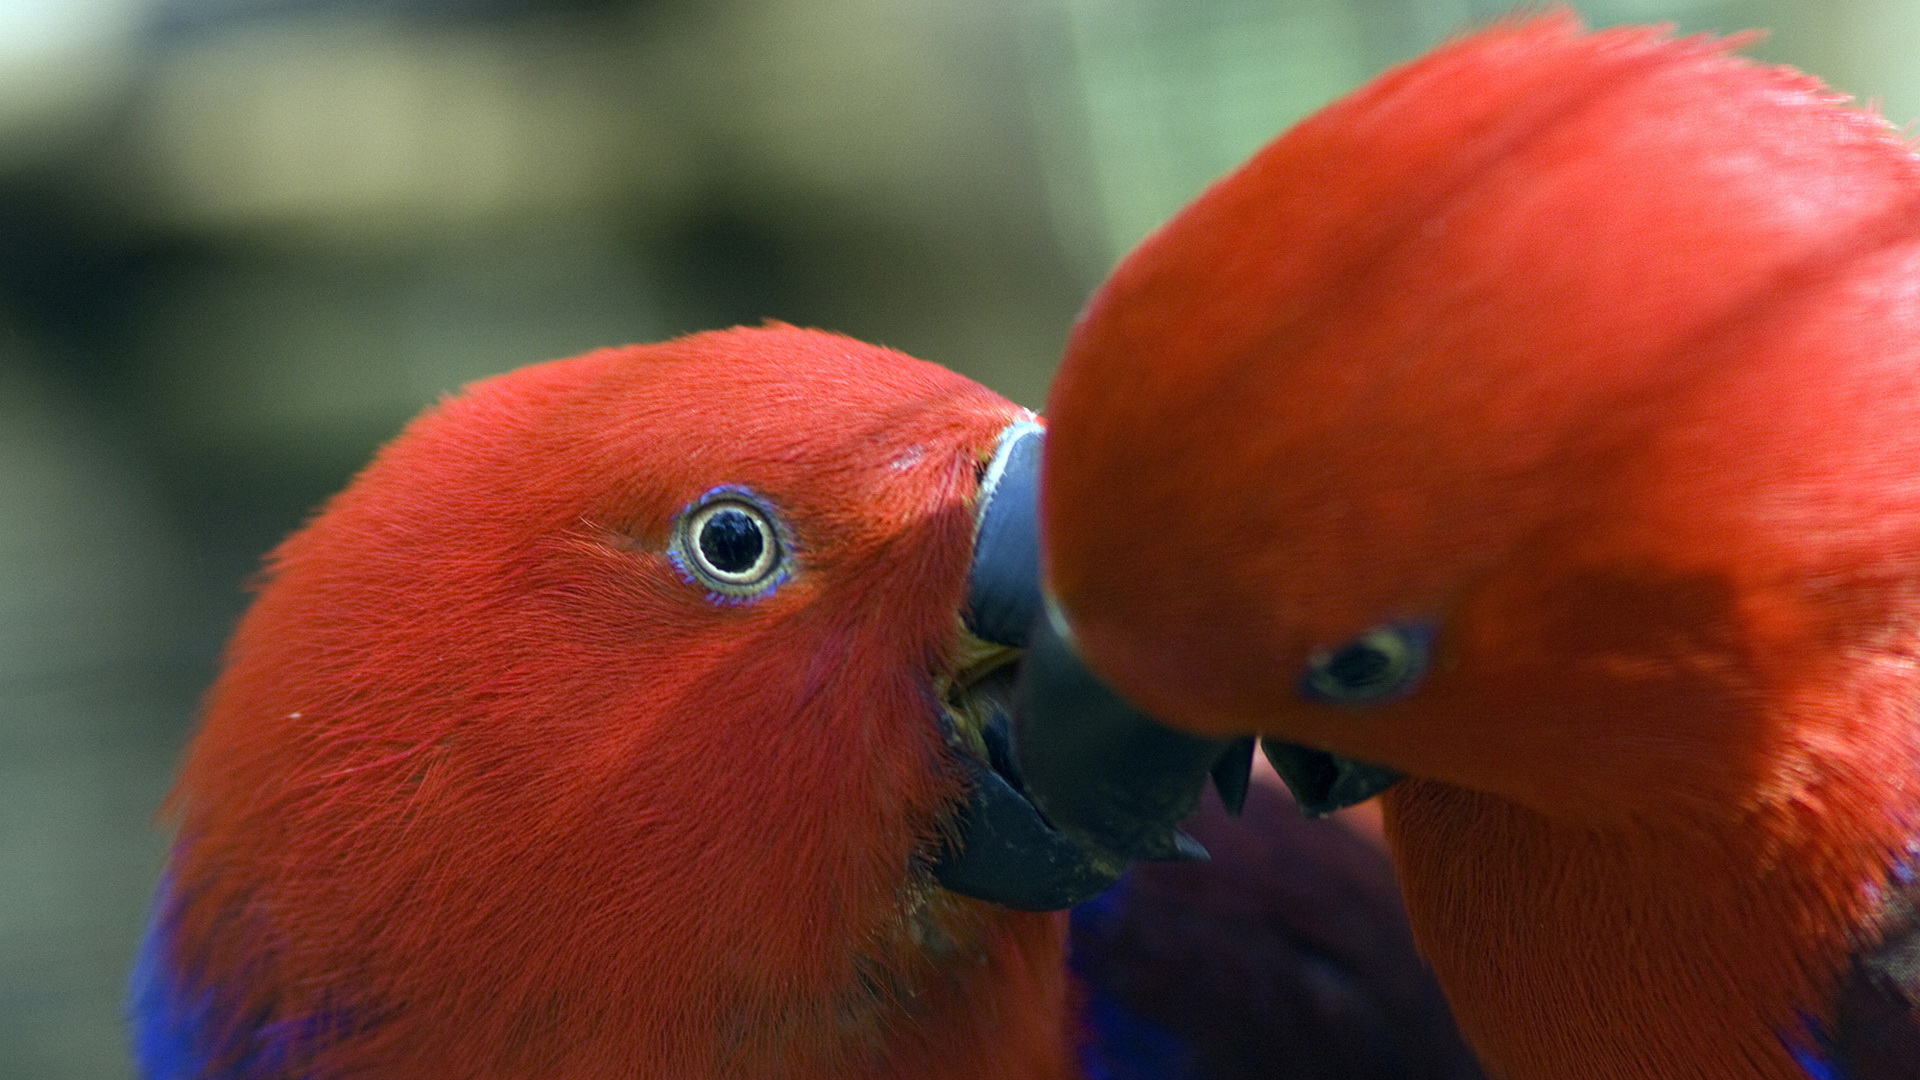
1003	588
1094	783
1105	772
1321	782
1113	777
1110	777
1003	848
1094	773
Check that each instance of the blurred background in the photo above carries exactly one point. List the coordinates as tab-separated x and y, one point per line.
241	241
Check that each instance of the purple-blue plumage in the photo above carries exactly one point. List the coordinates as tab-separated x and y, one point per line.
1287	956
167	1017
1875	1034
184	1029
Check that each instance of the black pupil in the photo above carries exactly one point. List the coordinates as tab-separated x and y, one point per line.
732	541
1358	666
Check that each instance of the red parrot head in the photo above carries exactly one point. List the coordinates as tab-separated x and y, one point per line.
620	719
1539	422
1519	421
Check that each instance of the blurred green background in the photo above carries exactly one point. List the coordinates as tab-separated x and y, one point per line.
242	240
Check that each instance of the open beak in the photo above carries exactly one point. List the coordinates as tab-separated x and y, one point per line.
1003	848
1071	782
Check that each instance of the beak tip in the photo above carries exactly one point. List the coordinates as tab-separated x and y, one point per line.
1187	849
1104	771
1323	783
1233	775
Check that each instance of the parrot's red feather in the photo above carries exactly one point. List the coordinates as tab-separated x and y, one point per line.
1600	354
489	786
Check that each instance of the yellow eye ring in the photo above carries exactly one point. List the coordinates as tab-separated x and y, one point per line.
730	543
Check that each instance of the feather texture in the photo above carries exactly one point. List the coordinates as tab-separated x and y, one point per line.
488	789
492	786
1596	353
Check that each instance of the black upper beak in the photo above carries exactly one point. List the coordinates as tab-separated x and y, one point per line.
1106	772
1005	851
1003	588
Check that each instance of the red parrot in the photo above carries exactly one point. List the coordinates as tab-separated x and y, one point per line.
610	725
1540	422
644	715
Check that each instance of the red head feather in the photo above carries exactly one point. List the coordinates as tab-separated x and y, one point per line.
1601	355
488	784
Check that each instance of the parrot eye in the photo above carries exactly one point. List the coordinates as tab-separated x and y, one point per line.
729	543
1379	665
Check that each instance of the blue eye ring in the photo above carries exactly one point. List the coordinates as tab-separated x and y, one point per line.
731	543
1382	664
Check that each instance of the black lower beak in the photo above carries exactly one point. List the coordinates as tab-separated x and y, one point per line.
1003	850
1105	772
